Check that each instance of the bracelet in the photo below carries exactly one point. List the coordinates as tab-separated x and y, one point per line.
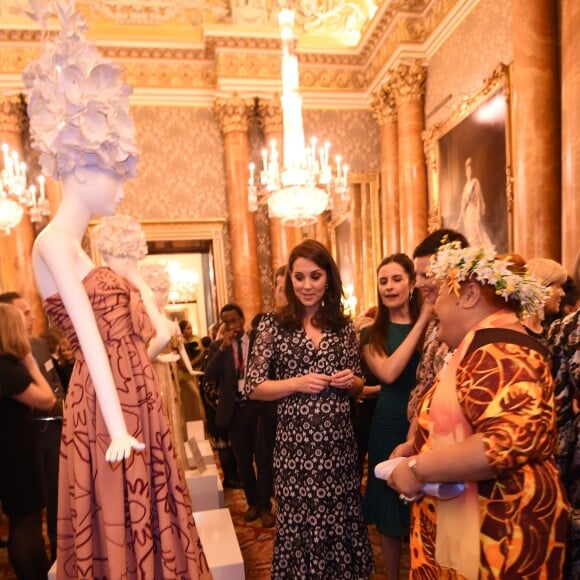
412	463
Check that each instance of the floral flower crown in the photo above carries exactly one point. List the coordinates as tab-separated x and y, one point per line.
458	264
120	236
77	103
156	277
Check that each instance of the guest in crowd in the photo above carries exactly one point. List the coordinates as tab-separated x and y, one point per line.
487	421
193	406
22	387
65	362
435	351
391	349
218	436
306	357
364	404
564	340
278	288
227	363
552	275
47	422
571	299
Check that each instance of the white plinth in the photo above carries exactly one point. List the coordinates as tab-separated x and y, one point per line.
205	450
204	489
220	544
195	429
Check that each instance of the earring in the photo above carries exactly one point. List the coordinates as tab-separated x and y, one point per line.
411	295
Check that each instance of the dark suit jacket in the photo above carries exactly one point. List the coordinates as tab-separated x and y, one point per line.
220	367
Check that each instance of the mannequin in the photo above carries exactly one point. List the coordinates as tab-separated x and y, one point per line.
165	364
124	511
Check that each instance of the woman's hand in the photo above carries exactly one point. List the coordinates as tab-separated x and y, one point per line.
312	383
121	447
342	379
404	449
403	481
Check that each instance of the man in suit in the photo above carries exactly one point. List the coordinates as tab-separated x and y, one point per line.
48	423
227	362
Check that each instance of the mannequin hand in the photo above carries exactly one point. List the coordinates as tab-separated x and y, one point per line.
312	383
121	447
342	379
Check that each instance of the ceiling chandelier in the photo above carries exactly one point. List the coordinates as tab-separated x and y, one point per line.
305	186
16	195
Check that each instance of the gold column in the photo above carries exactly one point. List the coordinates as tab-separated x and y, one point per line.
233	115
384	110
409	88
570	43
536	150
16	248
282	238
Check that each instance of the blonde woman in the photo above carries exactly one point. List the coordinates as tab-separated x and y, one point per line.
22	387
551	275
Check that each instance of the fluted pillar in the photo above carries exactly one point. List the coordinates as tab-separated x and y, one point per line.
234	114
536	133
282	238
570	47
16	247
384	110
409	89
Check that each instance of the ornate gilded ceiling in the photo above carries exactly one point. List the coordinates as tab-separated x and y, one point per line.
187	51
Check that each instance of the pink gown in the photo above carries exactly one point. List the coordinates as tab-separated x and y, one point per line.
133	519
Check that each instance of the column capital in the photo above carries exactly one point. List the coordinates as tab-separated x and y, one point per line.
384	105
234	113
13	117
408	81
270	116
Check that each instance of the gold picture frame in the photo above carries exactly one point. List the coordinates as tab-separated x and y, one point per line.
355	239
470	166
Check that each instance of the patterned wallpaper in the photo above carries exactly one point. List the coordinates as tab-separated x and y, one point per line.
468	56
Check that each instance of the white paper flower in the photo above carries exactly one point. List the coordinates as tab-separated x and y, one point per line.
120	236
78	104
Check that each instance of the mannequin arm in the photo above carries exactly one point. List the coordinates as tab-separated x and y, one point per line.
57	261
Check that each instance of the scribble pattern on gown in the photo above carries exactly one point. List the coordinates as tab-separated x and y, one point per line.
129	520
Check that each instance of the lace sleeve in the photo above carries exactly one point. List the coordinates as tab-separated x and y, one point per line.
262	357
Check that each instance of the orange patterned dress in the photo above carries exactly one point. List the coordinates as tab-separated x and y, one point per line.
128	520
505	391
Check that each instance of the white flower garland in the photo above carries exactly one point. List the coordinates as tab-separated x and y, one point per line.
78	104
457	264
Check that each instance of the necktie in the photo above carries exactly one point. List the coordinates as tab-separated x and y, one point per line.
240	358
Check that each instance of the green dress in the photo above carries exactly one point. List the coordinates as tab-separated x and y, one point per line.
389	427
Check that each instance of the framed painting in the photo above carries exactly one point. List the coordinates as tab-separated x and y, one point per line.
470	171
355	241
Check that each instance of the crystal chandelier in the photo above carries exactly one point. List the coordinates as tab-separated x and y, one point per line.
305	186
16	195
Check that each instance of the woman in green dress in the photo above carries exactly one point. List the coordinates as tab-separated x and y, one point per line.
391	348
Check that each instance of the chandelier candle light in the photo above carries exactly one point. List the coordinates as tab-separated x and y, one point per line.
305	186
16	194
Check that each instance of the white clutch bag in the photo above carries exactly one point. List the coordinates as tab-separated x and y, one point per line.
446	490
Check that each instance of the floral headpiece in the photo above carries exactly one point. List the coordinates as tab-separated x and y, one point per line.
458	264
156	276
78	104
120	236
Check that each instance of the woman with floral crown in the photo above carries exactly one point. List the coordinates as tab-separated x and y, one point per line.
487	421
124	511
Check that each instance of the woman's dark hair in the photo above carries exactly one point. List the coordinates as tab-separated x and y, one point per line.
378	330
331	312
183	324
